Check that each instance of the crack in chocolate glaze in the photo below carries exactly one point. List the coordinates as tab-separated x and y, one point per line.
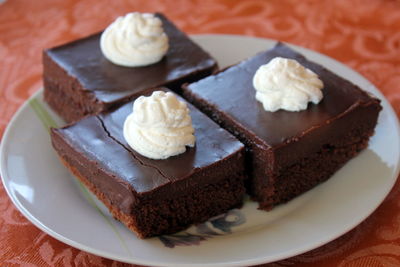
130	152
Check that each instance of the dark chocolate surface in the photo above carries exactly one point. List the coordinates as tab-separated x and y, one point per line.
84	60
100	139
232	92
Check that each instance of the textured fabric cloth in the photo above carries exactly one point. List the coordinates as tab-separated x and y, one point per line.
363	34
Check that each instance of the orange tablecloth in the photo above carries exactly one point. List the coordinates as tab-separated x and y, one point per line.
364	34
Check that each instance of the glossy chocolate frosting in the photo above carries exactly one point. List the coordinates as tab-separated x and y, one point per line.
100	139
83	60
231	92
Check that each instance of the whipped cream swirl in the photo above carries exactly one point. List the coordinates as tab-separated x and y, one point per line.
285	84
160	126
134	40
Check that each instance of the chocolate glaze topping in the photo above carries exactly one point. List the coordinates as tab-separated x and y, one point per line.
232	92
100	139
110	83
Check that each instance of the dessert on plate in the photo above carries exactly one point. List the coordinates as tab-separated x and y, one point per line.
104	70
159	164
299	121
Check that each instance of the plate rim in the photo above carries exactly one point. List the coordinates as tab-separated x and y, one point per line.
32	219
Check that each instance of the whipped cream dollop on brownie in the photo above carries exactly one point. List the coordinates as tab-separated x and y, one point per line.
285	84
136	39
160	126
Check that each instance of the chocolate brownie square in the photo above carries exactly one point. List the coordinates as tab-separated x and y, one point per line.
79	80
288	153
153	197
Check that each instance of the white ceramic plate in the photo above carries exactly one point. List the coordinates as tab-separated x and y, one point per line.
47	194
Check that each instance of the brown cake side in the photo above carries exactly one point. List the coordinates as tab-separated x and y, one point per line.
66	95
294	177
154	197
287	153
150	218
80	81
